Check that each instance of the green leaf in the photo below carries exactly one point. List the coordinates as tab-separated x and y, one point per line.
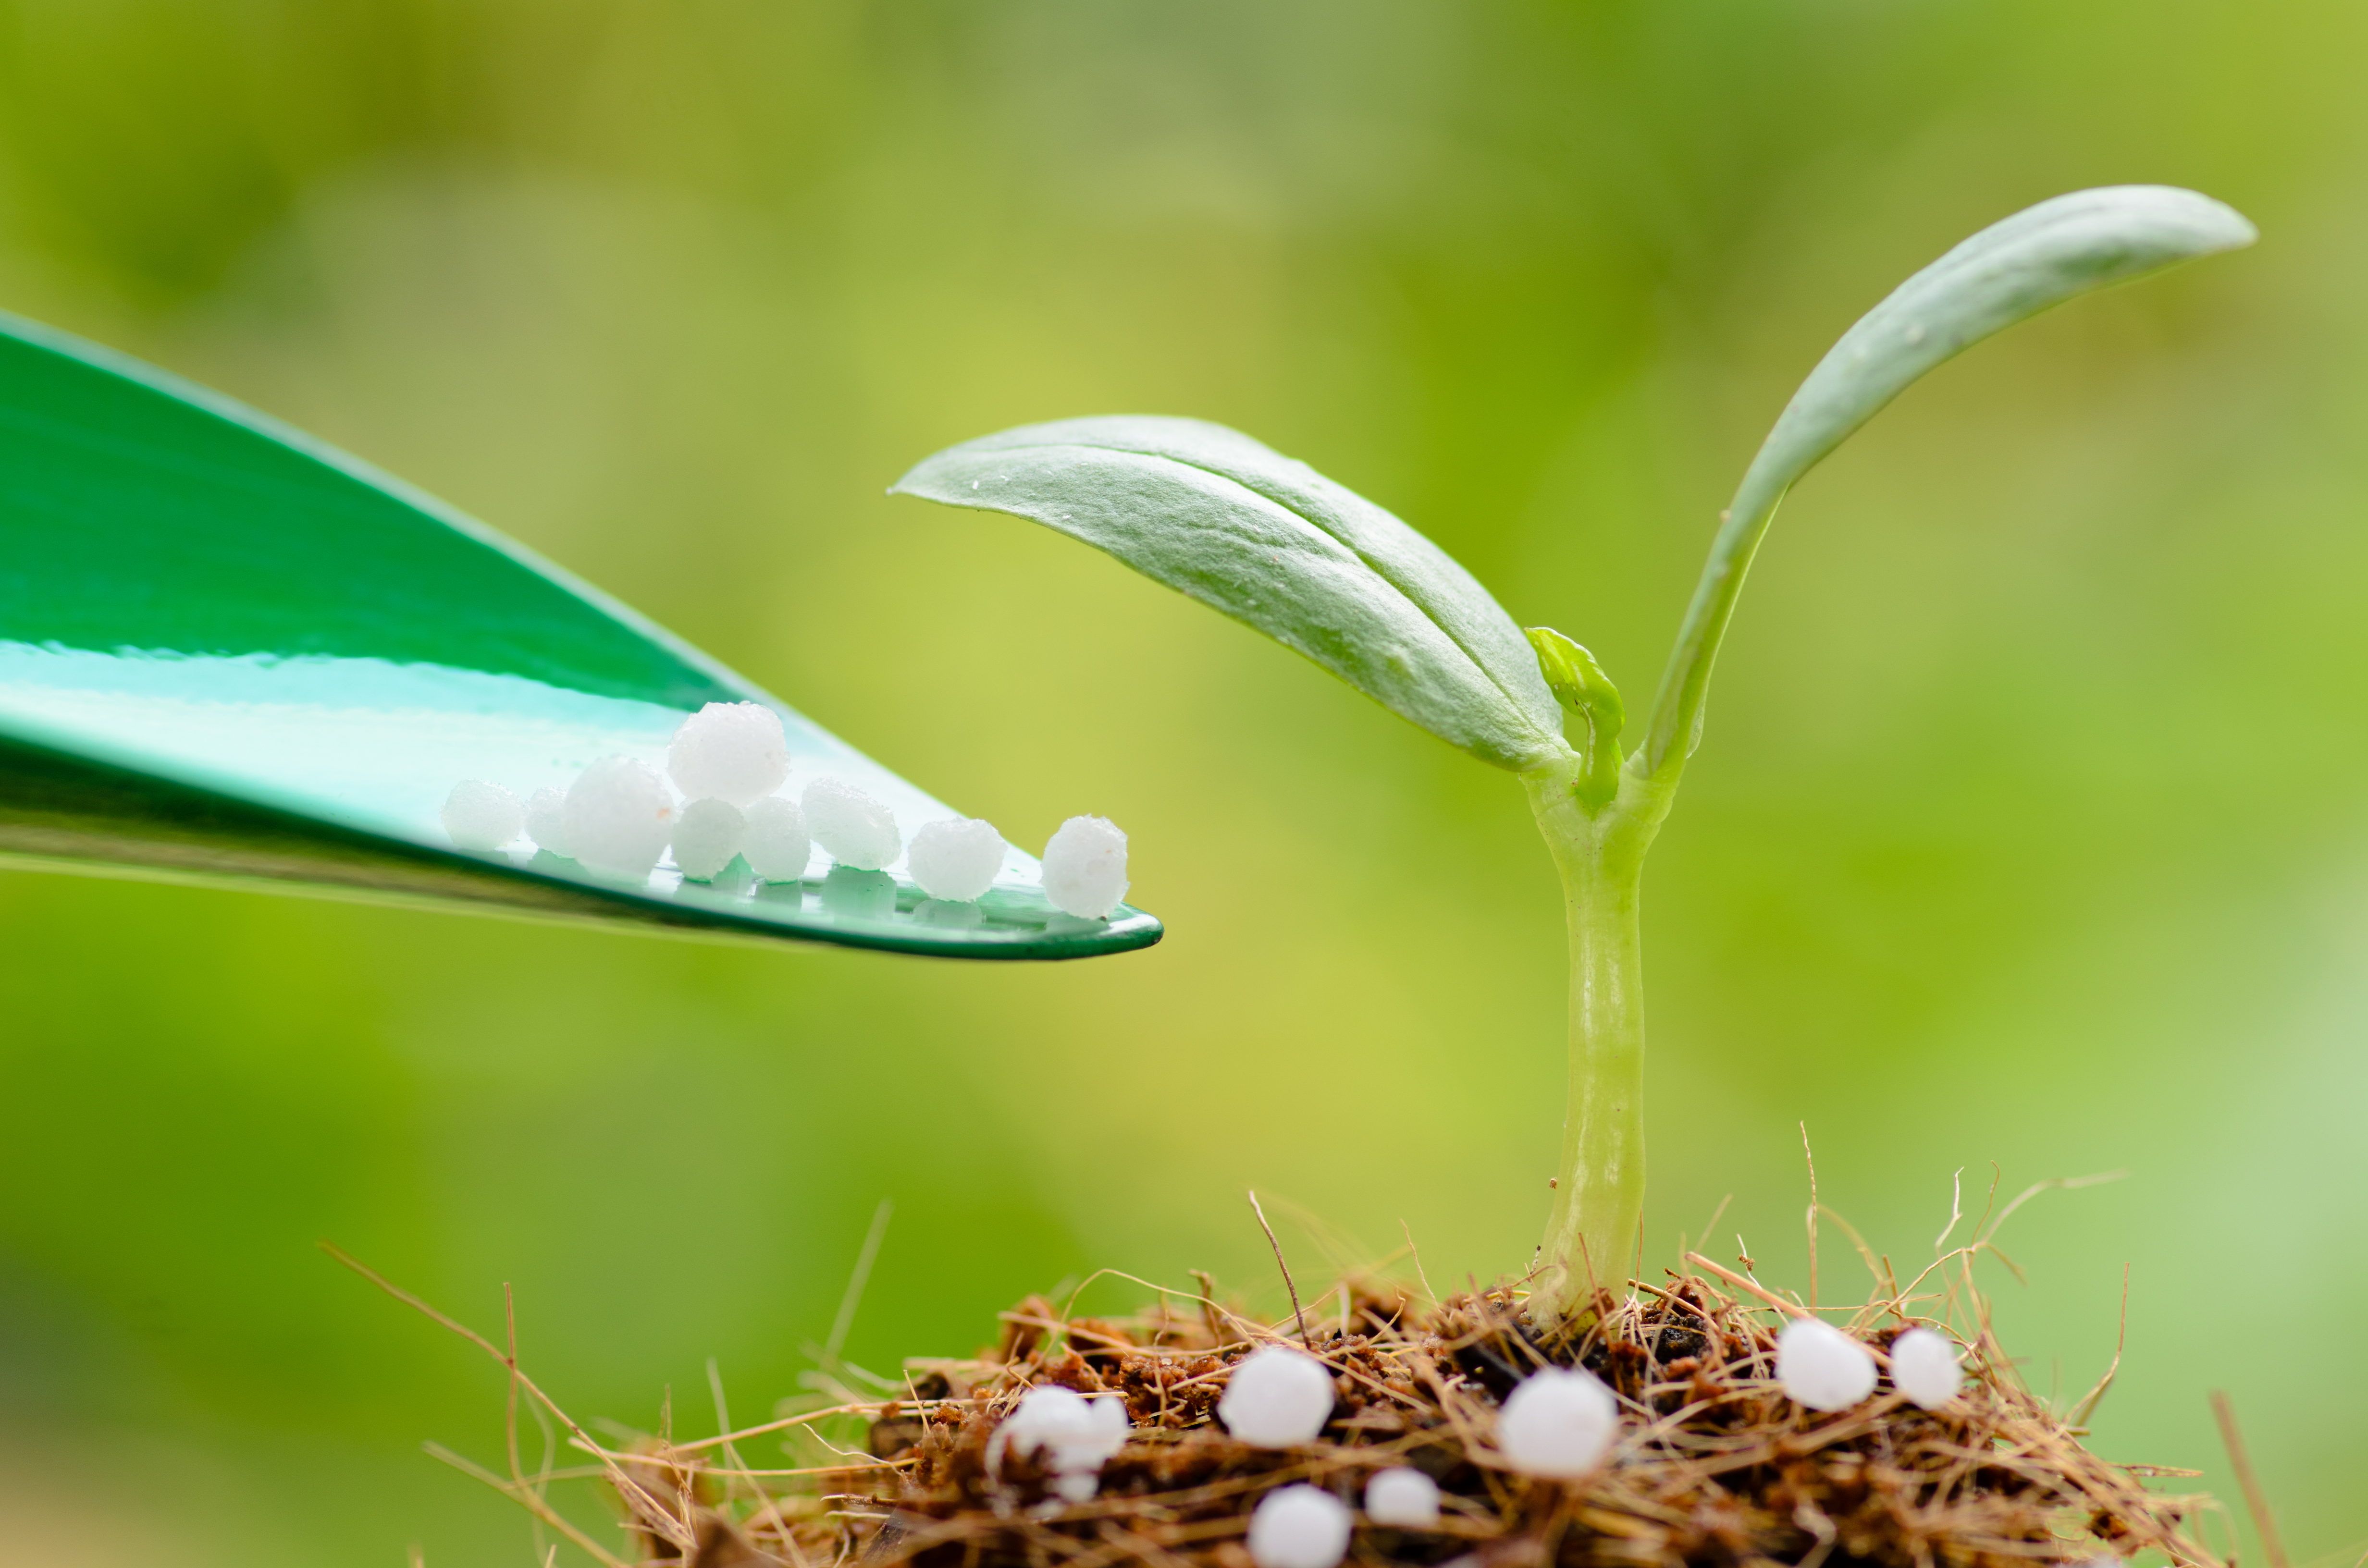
2015	269
1274	544
1587	694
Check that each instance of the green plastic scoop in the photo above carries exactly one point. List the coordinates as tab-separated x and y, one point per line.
231	655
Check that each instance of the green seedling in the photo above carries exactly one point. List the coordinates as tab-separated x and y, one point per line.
1276	545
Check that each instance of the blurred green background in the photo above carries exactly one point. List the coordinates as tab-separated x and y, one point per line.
2031	825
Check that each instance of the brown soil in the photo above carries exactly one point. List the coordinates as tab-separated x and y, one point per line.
1715	1465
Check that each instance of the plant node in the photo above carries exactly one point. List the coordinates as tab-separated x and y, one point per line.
1587	694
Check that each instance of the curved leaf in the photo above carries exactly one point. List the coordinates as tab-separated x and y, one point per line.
2013	269
1271	542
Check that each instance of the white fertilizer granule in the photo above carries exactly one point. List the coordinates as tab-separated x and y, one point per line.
1277	1398
618	817
546	819
1299	1526
729	751
1076	1436
852	829
707	833
1557	1422
1084	867
956	860
481	815
776	844
1403	1498
1821	1367
1924	1368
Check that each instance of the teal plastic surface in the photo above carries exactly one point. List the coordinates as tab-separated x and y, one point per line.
231	654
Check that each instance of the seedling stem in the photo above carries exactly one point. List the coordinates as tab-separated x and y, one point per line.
1599	1200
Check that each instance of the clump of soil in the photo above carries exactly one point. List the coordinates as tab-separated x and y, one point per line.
1713	1465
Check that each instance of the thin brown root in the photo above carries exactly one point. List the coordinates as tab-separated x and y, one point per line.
2257	1502
1288	1284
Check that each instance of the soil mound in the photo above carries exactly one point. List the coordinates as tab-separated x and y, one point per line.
1713	1464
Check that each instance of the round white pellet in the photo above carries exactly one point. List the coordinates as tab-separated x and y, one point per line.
1557	1422
1277	1398
1076	1436
707	833
481	815
1821	1367
1924	1368
775	844
618	817
1084	867
956	860
852	829
546	819
1403	1498
1300	1526
729	751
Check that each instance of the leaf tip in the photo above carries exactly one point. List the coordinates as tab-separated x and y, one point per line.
2197	225
2218	227
913	480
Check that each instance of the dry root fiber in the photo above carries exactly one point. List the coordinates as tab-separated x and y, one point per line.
1713	1464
